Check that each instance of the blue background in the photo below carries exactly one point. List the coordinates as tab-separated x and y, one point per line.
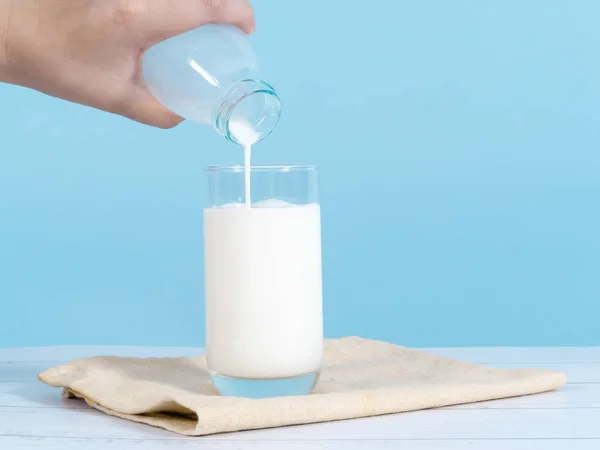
460	154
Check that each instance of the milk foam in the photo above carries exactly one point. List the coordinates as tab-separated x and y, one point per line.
270	203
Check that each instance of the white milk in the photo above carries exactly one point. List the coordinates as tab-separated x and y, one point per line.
263	289
246	136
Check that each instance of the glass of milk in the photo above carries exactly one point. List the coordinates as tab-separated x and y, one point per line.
263	282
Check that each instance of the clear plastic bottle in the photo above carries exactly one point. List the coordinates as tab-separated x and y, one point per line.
210	75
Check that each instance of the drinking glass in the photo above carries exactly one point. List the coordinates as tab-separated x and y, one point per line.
263	280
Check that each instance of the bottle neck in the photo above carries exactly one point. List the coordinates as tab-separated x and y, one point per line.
251	103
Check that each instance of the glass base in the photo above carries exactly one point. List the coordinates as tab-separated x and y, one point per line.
264	388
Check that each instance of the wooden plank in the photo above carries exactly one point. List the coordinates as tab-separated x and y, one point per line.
223	444
576	372
455	424
35	395
434	424
575	396
22	371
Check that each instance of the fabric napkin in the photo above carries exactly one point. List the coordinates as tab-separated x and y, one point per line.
360	378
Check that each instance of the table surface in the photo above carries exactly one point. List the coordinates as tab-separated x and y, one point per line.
34	416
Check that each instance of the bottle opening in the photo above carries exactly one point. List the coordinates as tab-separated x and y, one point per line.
249	113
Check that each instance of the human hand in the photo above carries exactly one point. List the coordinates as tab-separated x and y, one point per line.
90	51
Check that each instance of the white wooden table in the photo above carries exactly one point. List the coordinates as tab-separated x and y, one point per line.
33	416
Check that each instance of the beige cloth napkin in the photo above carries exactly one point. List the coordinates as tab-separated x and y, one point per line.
360	378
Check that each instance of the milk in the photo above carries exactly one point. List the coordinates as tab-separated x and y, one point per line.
245	134
263	289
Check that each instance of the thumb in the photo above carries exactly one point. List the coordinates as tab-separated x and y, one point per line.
167	18
142	107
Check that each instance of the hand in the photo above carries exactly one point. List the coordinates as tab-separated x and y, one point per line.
90	51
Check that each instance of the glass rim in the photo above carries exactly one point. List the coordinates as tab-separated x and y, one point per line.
261	168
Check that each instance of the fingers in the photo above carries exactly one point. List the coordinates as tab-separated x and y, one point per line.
144	108
233	12
167	18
